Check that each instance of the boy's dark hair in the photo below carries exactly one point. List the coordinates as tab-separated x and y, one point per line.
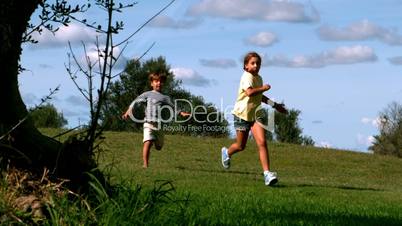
157	76
249	56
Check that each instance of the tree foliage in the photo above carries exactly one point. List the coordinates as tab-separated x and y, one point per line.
288	130
20	141
47	117
134	81
389	141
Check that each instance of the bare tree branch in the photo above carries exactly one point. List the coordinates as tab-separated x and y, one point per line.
136	60
146	22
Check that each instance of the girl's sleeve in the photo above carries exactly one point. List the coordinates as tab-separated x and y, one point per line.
246	82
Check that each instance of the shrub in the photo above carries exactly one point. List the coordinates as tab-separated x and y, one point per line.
47	117
389	141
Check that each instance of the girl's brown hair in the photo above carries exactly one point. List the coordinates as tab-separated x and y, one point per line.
249	56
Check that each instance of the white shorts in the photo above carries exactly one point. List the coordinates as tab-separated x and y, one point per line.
152	134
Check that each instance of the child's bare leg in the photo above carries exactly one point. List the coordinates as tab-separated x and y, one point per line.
261	141
146	152
240	144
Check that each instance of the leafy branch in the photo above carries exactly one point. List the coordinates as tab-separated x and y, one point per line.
59	13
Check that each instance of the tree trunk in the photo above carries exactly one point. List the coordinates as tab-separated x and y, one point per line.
25	145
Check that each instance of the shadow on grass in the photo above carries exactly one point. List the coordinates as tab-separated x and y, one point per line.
279	185
327	186
215	171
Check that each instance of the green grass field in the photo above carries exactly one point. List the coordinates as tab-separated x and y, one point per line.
316	186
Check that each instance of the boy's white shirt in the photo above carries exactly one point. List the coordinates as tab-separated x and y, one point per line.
246	106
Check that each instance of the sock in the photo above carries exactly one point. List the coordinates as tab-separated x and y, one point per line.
227	153
266	172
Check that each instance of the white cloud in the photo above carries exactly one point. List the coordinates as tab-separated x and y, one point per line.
77	101
168	22
266	10
73	33
324	144
317	122
262	39
45	66
362	30
71	113
94	58
190	77
30	99
395	60
340	55
376	122
219	63
366	120
365	140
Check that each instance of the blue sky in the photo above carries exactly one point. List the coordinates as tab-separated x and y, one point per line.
339	62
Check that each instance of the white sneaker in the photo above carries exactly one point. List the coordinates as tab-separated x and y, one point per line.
270	178
225	158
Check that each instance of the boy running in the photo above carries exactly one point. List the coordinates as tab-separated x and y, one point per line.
155	101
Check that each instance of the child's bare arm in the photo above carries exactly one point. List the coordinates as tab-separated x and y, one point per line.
254	91
279	107
184	114
126	114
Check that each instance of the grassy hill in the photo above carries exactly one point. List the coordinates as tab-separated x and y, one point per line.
185	184
316	186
